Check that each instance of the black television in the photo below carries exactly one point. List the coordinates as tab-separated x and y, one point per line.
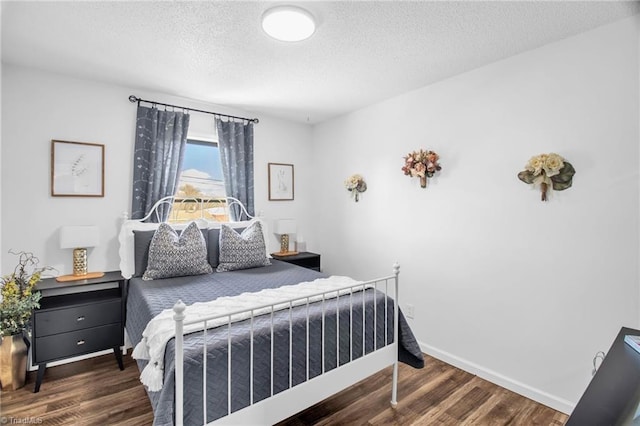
613	395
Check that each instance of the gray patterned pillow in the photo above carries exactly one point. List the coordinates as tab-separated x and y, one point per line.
171	255
242	251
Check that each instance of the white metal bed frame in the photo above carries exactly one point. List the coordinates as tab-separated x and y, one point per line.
195	204
296	398
279	406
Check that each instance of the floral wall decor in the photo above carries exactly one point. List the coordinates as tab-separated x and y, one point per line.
548	171
356	185
422	164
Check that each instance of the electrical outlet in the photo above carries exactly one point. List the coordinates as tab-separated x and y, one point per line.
410	310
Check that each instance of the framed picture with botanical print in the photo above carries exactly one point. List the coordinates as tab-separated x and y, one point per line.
77	169
280	182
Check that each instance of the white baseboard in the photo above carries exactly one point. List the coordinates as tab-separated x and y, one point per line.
537	395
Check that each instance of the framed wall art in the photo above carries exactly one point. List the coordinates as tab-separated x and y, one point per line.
280	182
77	169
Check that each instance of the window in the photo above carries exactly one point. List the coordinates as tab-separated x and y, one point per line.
201	183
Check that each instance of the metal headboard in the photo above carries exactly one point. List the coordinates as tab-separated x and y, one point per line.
194	206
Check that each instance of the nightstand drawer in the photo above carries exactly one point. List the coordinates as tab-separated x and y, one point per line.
78	342
77	317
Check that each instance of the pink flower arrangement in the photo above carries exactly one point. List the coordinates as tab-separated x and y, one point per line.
422	164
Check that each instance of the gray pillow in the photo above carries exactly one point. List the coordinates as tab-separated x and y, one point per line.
213	250
173	255
141	242
242	251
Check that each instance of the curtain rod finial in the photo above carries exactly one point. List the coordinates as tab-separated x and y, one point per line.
132	99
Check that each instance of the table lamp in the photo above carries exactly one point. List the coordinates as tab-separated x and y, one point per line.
284	227
79	238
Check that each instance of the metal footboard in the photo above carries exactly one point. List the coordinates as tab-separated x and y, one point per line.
386	287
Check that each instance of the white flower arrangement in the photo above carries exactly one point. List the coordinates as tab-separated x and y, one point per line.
548	171
356	185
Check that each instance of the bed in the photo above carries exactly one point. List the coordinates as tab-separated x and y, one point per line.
292	336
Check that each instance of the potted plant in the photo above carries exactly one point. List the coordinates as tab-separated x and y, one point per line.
18	302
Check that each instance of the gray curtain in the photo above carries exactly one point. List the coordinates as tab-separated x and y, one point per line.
161	137
235	140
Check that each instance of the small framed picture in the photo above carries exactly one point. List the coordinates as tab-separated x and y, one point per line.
280	182
77	169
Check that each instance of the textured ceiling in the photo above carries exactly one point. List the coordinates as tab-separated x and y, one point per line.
361	53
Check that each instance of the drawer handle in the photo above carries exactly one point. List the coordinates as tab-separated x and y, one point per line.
80	318
80	342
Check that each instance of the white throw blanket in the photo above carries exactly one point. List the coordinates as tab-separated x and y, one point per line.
161	328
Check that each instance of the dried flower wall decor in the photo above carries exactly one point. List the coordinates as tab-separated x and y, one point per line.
548	171
422	164
356	185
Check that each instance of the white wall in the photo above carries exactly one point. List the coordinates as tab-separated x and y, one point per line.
520	291
288	143
38	107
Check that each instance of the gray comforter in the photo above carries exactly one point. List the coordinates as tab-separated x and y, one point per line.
344	315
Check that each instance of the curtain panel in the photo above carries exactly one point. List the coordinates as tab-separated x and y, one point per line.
161	137
235	140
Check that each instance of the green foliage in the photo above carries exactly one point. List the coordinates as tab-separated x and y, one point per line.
526	176
18	298
16	313
563	179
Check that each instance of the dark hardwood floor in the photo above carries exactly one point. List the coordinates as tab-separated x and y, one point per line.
89	392
96	392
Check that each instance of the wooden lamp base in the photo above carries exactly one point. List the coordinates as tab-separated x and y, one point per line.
285	253
87	276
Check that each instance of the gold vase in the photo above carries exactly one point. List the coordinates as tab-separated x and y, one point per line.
13	362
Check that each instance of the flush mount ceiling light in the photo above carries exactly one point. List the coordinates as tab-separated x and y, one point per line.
288	23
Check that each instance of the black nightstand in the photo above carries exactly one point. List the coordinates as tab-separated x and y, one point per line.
304	258
77	318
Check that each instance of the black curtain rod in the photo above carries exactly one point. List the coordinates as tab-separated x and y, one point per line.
132	99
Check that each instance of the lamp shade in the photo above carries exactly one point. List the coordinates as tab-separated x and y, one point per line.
285	226
79	236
